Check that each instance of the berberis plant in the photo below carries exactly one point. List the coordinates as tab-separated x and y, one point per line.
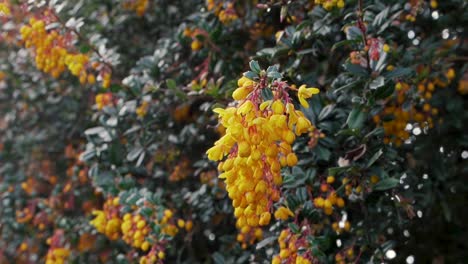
262	131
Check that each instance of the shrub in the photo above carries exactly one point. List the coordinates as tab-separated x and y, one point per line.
152	131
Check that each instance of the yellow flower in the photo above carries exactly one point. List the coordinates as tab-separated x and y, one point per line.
386	48
4	9
283	213
305	93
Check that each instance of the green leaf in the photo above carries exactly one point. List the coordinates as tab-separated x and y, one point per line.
274	75
374	158
171	84
398	72
251	75
294	228
254	66
386	184
322	153
218	258
356	70
356	118
377	82
345	42
267	94
326	111
337	170
306	51
384	92
347	86
84	49
265	242
353	33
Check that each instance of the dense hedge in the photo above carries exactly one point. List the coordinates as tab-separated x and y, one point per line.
156	131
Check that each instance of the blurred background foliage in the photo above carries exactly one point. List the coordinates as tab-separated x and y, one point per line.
114	142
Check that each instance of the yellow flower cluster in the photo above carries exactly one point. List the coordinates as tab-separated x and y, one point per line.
330	4
57	256
167	223
290	246
107	221
329	201
283	213
257	142
134	231
51	54
355	186
224	11
139	6
142	109
193	33
168	226
155	255
103	100
4	9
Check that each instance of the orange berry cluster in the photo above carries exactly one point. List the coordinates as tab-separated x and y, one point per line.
357	57
181	171
139	6
330	4
314	136
294	248
107	221
357	186
208	177
224	10
328	199
339	227
197	85
52	53
395	129
345	256
257	142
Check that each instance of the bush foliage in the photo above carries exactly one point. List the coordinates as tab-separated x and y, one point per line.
155	131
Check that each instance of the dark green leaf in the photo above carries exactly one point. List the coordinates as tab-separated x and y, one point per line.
398	72
386	184
356	70
374	158
356	118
